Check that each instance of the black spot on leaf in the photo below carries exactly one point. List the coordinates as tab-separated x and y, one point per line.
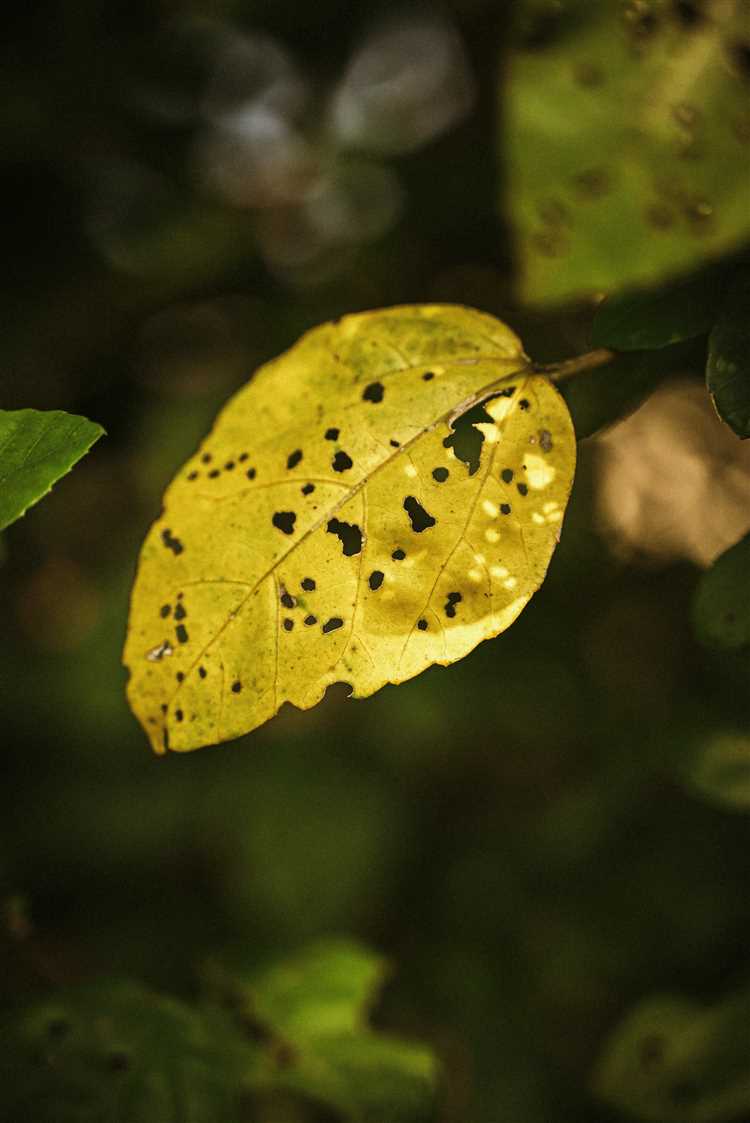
349	535
508	392
419	518
332	624
545	440
171	542
250	473
395	444
428	376
229	466
202	672
294	458
182	633
398	555
165	610
236	686
523	489
284	521
180	612
308	584
287	600
523	404
507	475
180	676
206	458
342	462
179	715
192	475
466	440
332	434
310	620
450	604
440	475
505	508
374	393
243	457
375	579
288	625
422	625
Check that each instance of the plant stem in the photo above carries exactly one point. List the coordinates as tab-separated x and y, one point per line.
568	368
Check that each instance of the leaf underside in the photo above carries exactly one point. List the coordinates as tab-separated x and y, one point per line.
328	531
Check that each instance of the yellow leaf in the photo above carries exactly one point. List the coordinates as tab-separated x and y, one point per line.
334	527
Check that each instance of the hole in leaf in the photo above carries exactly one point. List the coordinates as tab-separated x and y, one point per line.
349	535
451	602
374	393
419	518
342	462
332	624
284	521
466	440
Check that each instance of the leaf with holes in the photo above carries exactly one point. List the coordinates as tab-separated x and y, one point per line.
382	497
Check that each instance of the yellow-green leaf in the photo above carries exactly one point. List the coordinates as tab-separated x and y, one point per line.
380	498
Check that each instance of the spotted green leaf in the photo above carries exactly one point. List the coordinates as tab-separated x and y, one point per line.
672	1060
626	143
728	367
116	1053
382	497
36	449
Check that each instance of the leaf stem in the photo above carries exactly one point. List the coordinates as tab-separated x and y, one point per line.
568	368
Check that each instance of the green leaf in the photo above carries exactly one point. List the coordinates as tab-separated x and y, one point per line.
675	1060
311	1011
720	770
728	367
36	449
624	135
118	1052
644	319
721	605
325	989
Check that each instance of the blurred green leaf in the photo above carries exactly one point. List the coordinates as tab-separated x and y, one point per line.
36	449
673	1059
311	1009
115	1051
603	197
720	770
721	604
728	367
325	989
639	320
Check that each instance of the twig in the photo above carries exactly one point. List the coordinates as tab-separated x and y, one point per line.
568	368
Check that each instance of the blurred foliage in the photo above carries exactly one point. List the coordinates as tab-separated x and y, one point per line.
728	368
526	834
36	449
626	140
116	1051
